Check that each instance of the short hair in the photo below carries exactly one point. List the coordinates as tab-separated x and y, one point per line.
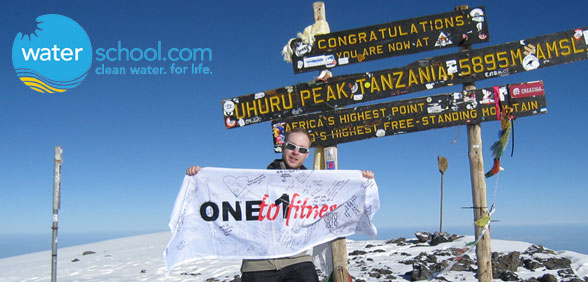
298	130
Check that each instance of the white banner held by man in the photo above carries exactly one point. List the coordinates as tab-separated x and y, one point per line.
255	214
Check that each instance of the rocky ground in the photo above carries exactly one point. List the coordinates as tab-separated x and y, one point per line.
427	256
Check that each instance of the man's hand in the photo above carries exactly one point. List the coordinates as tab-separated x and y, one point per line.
367	174
192	170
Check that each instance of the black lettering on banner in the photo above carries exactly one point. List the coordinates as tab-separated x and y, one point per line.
418	114
204	208
250	210
228	209
458	68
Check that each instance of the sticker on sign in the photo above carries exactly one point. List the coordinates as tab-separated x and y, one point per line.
323	60
527	90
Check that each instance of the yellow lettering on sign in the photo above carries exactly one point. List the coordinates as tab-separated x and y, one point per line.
386	81
284	105
399	124
552	48
576	50
316	95
413	29
341	90
514	55
490	111
563	44
275	102
399	75
373	36
330	93
304	95
375	86
412	78
407	109
540	53
459	20
362	36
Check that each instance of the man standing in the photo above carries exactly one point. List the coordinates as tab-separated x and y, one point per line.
299	268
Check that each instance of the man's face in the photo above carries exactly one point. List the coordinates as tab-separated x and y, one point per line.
293	158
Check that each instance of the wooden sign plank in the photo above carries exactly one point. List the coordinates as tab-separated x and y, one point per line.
446	70
411	115
451	29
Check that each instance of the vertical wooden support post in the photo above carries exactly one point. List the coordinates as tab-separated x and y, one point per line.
56	199
478	180
319	159
338	246
326	158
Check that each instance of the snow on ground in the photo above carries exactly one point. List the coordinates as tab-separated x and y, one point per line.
140	258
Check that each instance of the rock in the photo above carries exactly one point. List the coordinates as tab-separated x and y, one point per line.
442	253
454	237
375	275
532	279
236	278
426	258
423	237
420	272
382	271
357	253
212	280
510	261
547	278
508	276
143	271
438	238
556	263
505	266
369	246
191	274
566	273
400	241
75	260
378	251
532	264
465	264
88	253
534	249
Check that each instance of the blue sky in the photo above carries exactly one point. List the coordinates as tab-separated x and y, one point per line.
127	140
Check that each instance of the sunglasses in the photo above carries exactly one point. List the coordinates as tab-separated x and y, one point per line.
290	146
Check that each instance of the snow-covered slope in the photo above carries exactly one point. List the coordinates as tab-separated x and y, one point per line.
139	258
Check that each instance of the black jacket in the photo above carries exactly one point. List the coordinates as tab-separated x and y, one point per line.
280	164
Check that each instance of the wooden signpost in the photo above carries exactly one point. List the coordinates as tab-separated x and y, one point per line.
390	39
446	70
295	106
417	114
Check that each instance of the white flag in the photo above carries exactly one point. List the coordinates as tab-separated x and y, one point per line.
256	214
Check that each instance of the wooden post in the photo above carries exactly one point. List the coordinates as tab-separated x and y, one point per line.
56	204
326	158
338	246
443	163
478	188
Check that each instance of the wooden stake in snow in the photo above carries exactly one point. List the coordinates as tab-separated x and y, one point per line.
56	204
443	163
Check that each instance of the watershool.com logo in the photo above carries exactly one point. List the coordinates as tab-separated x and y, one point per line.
55	57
